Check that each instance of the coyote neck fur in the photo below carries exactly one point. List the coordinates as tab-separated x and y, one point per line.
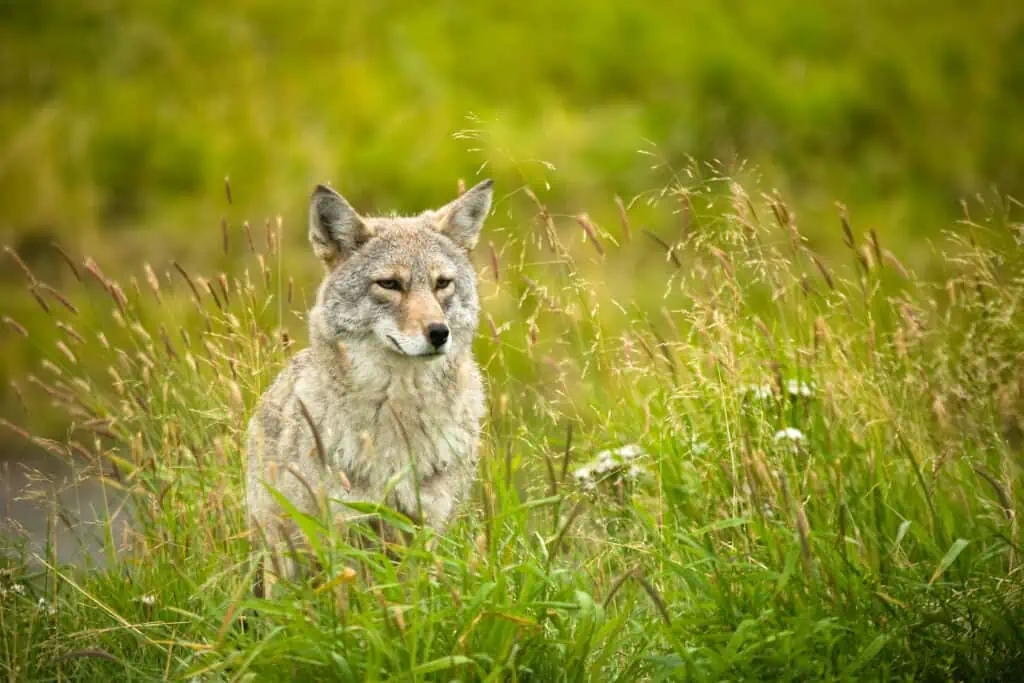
379	414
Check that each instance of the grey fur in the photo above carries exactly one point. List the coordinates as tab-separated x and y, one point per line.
388	405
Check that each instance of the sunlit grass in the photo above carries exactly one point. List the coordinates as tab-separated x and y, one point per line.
813	468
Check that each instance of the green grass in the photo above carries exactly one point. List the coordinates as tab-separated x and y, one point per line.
880	542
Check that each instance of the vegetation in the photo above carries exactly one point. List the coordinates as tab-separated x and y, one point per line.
823	480
119	120
722	443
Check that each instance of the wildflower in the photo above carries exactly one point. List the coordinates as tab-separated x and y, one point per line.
42	606
698	447
18	589
608	461
790	434
797	389
756	391
148	599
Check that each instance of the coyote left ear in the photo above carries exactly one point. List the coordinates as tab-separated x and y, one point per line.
461	219
335	229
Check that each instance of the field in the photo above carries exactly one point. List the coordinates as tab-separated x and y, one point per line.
119	120
736	430
769	467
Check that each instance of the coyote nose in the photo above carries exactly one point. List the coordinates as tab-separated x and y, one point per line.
438	334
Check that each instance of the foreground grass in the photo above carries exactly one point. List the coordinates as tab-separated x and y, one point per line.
825	482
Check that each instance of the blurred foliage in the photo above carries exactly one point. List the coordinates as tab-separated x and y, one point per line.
119	120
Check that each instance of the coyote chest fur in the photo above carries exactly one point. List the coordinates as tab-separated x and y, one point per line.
388	385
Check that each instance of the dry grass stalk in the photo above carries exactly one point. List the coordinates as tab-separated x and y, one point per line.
118	295
29	275
823	269
68	260
248	236
211	291
224	234
16	388
495	266
800	521
591	231
63	348
875	245
93	269
494	328
58	296
188	280
866	258
135	288
548	223
844	219
765	332
15	325
168	347
724	261
785	218
890	258
670	251
319	444
623	220
39	300
222	280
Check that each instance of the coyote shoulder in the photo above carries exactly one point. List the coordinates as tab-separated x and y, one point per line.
388	380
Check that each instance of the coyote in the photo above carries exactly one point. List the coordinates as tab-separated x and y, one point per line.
385	404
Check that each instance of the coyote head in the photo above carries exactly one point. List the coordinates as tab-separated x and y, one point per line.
402	284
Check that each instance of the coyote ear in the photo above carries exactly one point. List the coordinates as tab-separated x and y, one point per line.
335	229
462	218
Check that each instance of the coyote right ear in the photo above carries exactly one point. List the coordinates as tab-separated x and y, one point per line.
335	229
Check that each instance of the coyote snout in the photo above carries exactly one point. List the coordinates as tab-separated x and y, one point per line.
385	405
415	325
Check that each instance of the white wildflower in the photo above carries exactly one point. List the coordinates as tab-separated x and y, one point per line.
756	391
608	461
583	472
148	599
627	452
18	589
796	388
634	471
790	434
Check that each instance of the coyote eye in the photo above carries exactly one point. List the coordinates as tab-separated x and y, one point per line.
391	284
443	283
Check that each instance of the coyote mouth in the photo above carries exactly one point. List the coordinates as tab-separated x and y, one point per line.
429	354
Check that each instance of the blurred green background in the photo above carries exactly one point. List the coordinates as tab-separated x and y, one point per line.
119	120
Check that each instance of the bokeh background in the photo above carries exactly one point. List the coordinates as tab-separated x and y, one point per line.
120	120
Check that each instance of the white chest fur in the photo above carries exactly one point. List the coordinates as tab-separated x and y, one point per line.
404	429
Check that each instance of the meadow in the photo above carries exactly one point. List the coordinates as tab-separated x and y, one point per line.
736	430
769	466
119	120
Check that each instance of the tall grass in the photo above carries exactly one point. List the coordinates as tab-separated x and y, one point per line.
820	479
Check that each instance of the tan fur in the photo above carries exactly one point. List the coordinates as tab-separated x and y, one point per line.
398	417
420	309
